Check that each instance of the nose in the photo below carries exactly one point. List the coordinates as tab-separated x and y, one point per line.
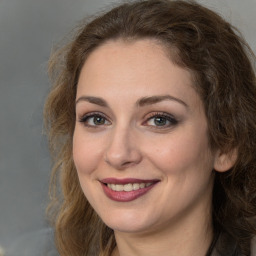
123	150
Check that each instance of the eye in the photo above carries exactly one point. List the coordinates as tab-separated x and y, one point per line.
161	120
94	120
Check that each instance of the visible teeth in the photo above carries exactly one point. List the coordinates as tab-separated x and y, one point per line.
142	185
112	186
128	187
119	187
136	186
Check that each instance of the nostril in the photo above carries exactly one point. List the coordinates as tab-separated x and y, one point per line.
126	163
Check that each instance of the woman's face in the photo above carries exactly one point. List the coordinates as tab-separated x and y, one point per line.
140	143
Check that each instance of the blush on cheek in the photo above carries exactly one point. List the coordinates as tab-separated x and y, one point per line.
182	156
85	159
83	166
87	151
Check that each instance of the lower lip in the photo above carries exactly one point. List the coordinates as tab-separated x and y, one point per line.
123	196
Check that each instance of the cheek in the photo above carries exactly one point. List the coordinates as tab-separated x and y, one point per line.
87	152
182	153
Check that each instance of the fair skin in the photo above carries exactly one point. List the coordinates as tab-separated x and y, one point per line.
141	125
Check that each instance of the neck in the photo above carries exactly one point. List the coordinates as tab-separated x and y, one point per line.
190	236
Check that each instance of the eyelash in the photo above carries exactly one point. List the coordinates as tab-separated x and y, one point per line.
166	118
86	118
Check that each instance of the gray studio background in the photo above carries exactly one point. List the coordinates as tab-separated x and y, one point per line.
28	31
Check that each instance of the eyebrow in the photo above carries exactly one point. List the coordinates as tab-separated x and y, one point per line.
156	99
94	100
141	102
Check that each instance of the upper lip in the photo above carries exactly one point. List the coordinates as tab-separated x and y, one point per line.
127	180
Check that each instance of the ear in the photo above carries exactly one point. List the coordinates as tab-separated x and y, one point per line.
224	161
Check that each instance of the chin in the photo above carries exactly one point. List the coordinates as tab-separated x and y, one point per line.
128	222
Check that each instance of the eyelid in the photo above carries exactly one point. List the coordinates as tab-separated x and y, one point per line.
159	113
84	117
173	121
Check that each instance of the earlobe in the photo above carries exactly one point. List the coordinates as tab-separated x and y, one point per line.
225	161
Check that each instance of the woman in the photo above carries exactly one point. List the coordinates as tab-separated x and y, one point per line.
152	125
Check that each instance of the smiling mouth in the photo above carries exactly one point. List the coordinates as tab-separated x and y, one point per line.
128	187
126	190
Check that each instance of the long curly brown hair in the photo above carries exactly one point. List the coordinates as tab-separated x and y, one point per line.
198	39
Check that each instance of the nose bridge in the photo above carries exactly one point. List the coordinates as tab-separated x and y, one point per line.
122	150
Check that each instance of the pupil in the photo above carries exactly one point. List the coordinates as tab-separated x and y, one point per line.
98	120
160	121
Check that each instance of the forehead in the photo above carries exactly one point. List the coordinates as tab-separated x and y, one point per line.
120	51
142	68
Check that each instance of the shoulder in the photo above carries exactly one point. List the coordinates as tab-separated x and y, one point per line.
37	243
